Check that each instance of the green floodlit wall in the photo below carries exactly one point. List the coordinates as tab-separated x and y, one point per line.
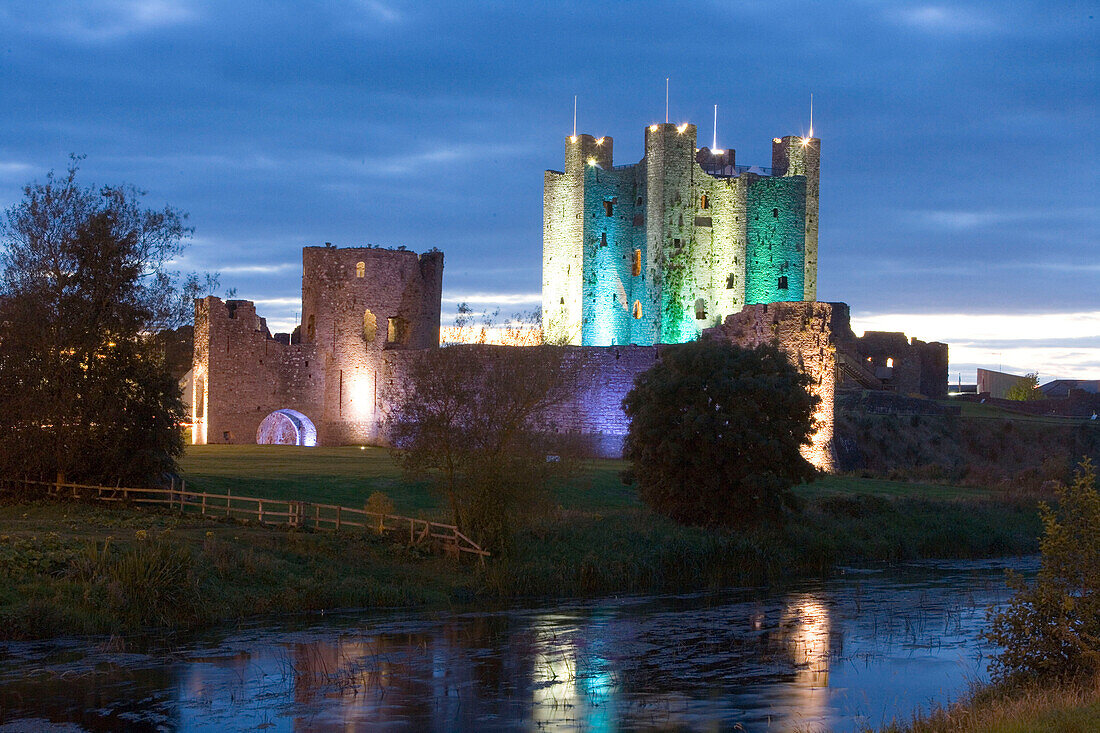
697	258
776	246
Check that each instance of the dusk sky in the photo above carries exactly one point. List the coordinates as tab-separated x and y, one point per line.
959	196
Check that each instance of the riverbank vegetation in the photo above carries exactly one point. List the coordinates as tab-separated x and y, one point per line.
78	568
1072	707
1047	672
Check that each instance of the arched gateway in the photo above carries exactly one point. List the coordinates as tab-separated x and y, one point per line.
286	427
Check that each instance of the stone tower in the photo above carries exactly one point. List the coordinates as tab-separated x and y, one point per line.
360	306
657	251
356	303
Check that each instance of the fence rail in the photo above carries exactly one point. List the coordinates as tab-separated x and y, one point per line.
278	511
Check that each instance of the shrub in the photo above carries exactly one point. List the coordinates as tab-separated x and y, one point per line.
1052	628
380	504
716	431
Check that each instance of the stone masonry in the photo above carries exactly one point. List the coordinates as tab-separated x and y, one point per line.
358	304
658	251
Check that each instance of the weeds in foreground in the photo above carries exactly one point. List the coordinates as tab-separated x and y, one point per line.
1072	707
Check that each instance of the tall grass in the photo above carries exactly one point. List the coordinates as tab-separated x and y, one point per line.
151	582
1069	708
634	550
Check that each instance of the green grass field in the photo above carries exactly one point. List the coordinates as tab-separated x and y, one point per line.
348	475
71	567
995	412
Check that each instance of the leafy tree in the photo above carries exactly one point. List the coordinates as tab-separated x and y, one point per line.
471	421
715	432
1052	628
1025	389
84	282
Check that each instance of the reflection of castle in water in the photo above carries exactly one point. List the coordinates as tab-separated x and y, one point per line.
857	651
559	670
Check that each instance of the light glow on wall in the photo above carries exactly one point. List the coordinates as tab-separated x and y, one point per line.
361	396
200	404
508	335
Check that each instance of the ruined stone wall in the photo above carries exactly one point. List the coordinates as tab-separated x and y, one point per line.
805	331
240	374
933	368
357	305
603	375
908	367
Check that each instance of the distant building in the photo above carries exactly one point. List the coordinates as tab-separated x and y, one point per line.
1062	387
997	384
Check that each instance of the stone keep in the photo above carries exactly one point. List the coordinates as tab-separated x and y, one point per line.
358	305
657	251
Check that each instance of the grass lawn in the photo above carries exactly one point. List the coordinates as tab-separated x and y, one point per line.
848	485
347	475
344	475
995	412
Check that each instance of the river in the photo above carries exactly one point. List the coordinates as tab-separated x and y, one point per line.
860	649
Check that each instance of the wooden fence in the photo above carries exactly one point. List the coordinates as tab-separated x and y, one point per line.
278	511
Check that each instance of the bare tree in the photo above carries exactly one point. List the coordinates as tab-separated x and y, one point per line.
473	421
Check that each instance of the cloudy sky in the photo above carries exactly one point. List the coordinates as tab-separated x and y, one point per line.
959	196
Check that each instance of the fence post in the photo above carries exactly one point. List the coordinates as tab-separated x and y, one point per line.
316	517
228	500
204	503
337	518
260	511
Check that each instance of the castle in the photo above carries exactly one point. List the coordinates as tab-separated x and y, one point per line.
658	251
358	306
634	258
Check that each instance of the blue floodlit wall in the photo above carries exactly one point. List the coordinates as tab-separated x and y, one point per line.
776	244
608	288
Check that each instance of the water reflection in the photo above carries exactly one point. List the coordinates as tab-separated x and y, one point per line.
854	651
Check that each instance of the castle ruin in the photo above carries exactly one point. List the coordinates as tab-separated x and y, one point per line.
635	258
659	251
322	387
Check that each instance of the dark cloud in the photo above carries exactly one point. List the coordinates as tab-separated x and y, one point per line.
957	137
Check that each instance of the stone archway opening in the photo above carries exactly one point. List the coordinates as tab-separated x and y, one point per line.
286	427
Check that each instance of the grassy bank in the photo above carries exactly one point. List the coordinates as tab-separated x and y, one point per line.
1071	708
72	568
984	446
